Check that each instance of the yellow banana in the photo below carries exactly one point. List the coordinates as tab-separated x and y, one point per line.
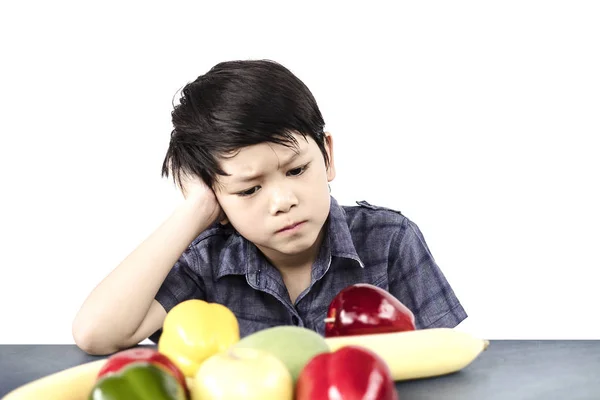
70	384
74	383
418	354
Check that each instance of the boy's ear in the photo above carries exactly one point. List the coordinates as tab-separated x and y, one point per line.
222	218
329	150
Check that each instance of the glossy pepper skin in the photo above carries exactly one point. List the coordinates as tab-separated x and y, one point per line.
118	361
194	330
138	381
350	373
363	309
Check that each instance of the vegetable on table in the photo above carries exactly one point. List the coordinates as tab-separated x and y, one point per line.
138	381
194	330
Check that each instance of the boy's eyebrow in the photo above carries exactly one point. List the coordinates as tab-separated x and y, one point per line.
248	178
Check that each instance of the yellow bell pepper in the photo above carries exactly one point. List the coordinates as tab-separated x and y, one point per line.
194	330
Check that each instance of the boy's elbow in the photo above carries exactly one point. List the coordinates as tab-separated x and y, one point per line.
87	340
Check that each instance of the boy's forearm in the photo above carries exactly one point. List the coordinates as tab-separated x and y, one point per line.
117	306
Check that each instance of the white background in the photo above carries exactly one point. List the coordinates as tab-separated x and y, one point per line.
478	121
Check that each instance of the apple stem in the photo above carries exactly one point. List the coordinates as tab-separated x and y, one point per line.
329	320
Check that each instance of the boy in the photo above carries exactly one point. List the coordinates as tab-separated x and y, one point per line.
258	230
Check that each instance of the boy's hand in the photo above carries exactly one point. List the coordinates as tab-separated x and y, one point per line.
196	192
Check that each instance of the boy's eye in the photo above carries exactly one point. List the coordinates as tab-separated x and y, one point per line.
249	191
298	171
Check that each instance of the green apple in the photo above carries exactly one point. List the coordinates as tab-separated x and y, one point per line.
242	373
293	345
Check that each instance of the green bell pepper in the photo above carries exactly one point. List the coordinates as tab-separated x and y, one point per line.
138	381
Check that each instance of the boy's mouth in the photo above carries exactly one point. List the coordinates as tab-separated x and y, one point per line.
291	227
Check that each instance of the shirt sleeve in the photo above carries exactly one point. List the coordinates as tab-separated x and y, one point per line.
417	281
181	284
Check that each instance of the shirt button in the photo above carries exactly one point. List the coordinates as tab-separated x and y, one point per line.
295	320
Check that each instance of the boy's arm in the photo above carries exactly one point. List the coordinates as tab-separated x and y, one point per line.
417	281
152	322
121	311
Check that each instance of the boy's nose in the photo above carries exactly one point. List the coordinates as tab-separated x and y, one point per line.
282	200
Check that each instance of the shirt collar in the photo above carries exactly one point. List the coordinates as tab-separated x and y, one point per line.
240	257
233	258
338	233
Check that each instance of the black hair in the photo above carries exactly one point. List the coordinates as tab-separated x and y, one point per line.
234	105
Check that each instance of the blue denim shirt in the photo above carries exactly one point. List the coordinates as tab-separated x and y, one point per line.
363	243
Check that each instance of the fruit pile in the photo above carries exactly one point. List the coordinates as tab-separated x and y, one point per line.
370	342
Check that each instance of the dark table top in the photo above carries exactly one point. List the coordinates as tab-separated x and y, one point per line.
508	369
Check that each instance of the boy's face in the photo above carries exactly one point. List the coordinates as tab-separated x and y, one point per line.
271	188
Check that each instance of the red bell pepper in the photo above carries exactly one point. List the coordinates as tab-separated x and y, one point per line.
118	361
350	373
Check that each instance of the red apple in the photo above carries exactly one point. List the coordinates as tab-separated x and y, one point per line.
351	372
363	309
117	361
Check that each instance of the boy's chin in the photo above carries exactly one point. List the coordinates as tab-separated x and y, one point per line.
292	247
293	250
306	245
